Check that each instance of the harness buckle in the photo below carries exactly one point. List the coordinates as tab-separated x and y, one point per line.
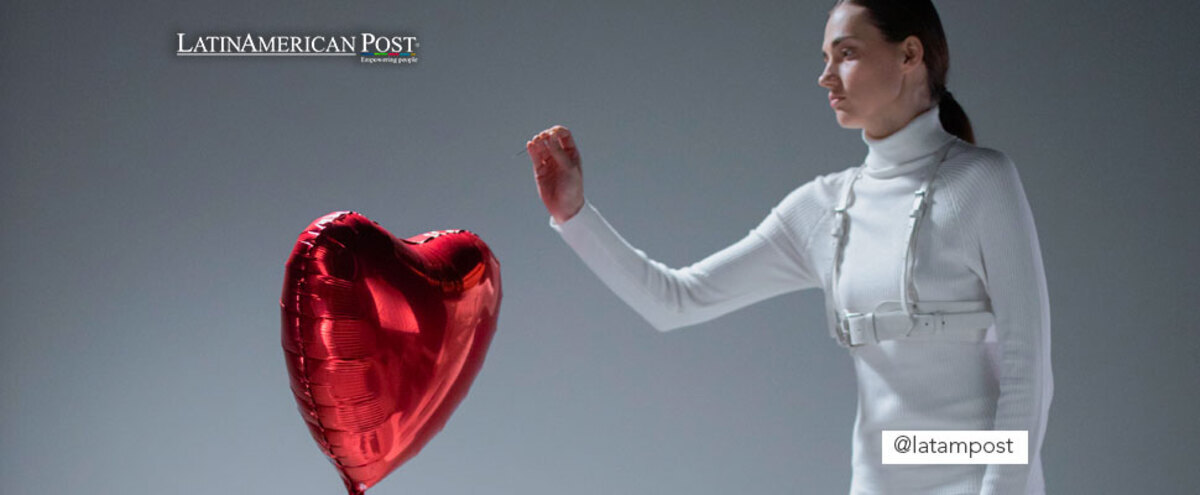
918	204
847	332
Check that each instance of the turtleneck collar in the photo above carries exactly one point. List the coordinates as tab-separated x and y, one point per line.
907	149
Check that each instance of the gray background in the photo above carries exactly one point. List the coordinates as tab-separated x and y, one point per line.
150	202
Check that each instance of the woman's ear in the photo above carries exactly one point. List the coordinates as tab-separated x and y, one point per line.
912	50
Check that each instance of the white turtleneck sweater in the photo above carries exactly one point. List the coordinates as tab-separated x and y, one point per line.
977	242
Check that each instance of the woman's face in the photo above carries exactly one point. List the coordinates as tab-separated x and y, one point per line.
867	73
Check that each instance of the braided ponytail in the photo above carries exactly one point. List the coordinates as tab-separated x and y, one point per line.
953	117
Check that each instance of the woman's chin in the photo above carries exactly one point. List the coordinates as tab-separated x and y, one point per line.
845	120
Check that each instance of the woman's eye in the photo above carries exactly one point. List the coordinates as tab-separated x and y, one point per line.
846	52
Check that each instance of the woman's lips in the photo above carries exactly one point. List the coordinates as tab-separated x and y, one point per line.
833	101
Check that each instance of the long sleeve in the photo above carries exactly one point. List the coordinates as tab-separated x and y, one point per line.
1012	269
763	264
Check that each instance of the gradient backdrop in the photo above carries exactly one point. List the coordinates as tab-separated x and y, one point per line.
150	202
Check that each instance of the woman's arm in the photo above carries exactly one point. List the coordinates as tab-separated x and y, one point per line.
1016	284
763	264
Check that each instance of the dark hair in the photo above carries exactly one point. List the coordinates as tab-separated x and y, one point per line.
899	19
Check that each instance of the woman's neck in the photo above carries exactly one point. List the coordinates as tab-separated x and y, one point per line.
907	148
901	111
889	124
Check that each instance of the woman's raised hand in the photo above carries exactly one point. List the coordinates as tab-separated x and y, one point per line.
557	170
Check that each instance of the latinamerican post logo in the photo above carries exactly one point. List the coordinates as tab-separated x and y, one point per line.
369	47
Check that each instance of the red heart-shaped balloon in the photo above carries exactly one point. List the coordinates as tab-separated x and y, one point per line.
383	337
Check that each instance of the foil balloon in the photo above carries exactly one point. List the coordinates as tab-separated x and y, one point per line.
383	337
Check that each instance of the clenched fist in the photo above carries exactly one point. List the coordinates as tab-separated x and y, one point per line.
556	167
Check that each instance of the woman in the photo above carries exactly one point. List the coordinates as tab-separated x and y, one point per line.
927	254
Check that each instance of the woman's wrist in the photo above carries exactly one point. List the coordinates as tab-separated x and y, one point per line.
571	215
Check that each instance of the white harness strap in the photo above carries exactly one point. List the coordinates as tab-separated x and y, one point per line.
908	319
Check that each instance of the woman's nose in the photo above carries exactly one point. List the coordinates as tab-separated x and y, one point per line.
825	79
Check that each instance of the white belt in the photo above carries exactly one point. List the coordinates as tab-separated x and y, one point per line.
962	321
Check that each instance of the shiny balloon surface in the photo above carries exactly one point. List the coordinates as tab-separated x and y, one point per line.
383	337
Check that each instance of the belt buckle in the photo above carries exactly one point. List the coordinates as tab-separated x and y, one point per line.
843	333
